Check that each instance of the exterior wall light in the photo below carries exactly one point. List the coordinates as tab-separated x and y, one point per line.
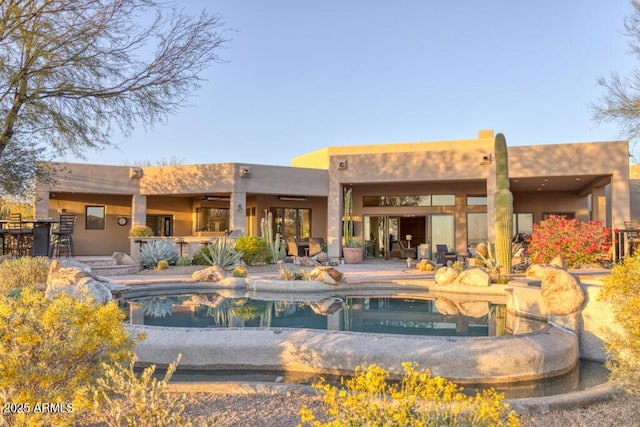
487	159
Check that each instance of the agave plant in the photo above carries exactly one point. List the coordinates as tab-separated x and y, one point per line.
222	253
157	250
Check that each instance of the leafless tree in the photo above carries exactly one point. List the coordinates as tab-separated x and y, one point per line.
621	99
73	71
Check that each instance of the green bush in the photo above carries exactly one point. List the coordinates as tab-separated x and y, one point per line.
419	399
255	250
183	260
622	291
141	231
23	272
52	351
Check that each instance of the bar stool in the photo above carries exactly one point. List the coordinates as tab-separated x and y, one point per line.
62	237
17	239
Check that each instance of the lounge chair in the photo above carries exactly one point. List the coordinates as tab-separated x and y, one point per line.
443	255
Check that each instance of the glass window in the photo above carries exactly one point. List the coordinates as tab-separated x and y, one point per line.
476	200
476	228
94	217
396	201
161	225
522	225
292	222
212	219
443	200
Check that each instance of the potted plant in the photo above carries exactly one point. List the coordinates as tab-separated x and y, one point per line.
353	251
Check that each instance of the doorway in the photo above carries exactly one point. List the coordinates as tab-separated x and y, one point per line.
419	231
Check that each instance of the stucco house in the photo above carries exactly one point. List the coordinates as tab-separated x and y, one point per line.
423	194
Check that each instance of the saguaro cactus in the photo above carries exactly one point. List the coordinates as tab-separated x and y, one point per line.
503	206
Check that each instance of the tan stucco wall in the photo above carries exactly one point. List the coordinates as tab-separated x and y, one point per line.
539	203
600	158
444	167
445	164
95	242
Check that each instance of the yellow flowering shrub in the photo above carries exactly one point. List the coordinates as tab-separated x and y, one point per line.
622	291
425	265
52	351
123	399
417	400
22	272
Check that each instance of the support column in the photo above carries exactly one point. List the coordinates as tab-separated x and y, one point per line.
334	219
138	217
599	205
238	211
138	210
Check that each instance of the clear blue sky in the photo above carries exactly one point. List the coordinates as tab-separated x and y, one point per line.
303	75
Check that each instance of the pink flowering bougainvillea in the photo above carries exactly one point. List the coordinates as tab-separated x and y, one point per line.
579	243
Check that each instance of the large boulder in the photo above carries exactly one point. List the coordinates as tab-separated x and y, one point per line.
446	276
561	292
328	275
446	306
305	261
538	271
77	280
474	277
123	259
209	274
327	306
475	309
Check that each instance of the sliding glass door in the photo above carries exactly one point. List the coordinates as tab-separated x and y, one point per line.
442	232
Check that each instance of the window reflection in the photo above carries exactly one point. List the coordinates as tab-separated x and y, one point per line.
212	219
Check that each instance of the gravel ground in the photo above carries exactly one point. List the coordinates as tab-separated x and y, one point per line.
268	408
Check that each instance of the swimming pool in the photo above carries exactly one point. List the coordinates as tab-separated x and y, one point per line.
409	314
271	331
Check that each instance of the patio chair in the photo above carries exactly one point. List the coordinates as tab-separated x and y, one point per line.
292	246
62	237
316	245
443	255
18	238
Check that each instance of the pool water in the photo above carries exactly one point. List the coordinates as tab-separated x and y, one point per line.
407	315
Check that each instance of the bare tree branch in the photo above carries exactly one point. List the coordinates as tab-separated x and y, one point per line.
620	101
72	71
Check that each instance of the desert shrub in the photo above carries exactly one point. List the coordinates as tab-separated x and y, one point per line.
221	253
419	399
163	264
123	399
141	231
255	250
23	272
183	260
622	290
579	243
53	350
158	250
